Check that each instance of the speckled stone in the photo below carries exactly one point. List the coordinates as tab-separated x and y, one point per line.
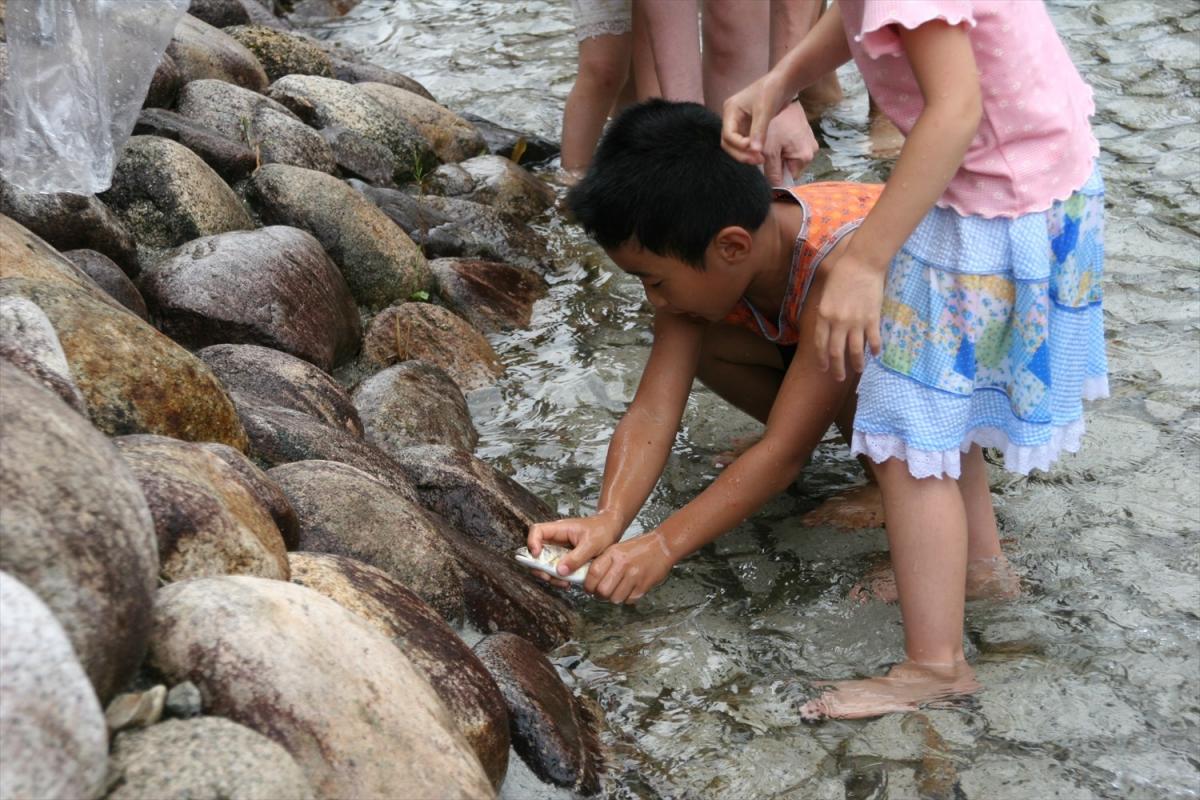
201	51
450	136
414	403
28	341
425	332
282	53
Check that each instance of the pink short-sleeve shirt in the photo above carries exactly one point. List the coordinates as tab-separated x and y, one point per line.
1034	144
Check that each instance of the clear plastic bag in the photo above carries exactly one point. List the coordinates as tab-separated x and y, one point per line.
78	71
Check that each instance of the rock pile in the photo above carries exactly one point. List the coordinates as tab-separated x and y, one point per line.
263	574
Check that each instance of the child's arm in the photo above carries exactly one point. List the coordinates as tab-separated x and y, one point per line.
747	114
639	449
807	403
944	66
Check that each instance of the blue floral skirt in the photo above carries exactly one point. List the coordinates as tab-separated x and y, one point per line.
993	334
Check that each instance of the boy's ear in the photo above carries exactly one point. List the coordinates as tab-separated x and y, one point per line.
733	244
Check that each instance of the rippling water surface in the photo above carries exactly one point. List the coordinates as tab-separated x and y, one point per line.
1092	678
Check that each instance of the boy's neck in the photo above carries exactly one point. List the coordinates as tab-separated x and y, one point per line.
773	262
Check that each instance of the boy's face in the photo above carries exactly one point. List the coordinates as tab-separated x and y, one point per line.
676	287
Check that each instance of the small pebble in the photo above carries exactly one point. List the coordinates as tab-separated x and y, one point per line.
135	709
184	701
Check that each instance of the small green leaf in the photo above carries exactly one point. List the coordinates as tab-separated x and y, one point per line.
421	295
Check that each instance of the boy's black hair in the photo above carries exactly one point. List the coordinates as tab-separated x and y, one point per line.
659	176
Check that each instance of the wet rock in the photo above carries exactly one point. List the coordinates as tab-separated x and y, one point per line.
70	221
505	142
203	759
450	136
136	709
219	13
208	522
52	737
167	195
282	53
358	156
507	187
380	263
430	333
262	12
501	596
451	226
347	512
76	530
274	134
322	9
274	657
328	103
456	674
271	377
551	730
263	488
231	159
998	777
28	342
414	403
164	85
360	72
490	295
475	498
201	51
109	277
184	701
273	287
450	180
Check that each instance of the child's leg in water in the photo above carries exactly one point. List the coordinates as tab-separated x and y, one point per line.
857	508
927	534
603	68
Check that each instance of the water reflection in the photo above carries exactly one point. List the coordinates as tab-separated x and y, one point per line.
1092	678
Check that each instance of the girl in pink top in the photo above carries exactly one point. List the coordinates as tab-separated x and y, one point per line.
969	298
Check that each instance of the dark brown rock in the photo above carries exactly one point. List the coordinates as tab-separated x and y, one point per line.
456	674
28	342
414	403
359	72
76	529
552	731
490	295
201	51
282	53
344	511
231	159
505	142
430	333
273	287
207	520
350	707
262	487
109	277
165	85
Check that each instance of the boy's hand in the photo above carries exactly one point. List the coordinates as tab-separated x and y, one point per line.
586	536
848	315
627	570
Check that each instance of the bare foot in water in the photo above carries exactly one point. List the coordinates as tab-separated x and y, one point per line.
886	139
906	687
987	579
821	96
861	507
738	446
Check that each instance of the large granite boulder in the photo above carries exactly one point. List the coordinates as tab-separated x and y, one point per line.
358	156
282	53
167	195
490	295
53	742
271	377
208	521
228	156
507	187
273	287
552	730
430	333
76	529
28	342
209	758
380	263
274	134
201	51
344	511
450	136
455	673
359	718
70	221
109	277
352	71
414	403
263	488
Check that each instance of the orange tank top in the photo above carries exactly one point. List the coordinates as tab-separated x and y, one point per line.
831	210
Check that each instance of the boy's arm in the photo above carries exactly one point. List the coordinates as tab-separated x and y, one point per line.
807	403
640	445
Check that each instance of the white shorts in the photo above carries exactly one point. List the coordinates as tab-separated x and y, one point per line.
602	18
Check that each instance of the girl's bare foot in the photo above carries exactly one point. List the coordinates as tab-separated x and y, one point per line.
987	579
861	507
886	139
906	687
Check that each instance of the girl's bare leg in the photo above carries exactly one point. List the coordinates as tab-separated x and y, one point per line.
736	47
674	30
645	76
989	575
791	20
603	68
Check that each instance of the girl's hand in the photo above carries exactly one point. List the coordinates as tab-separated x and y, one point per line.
746	115
586	536
627	570
790	145
848	314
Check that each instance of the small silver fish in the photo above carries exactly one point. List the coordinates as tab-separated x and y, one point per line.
547	561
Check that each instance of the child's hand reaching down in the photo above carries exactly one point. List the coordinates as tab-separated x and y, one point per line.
586	536
627	570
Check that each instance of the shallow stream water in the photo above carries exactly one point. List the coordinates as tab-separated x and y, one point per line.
1092	677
